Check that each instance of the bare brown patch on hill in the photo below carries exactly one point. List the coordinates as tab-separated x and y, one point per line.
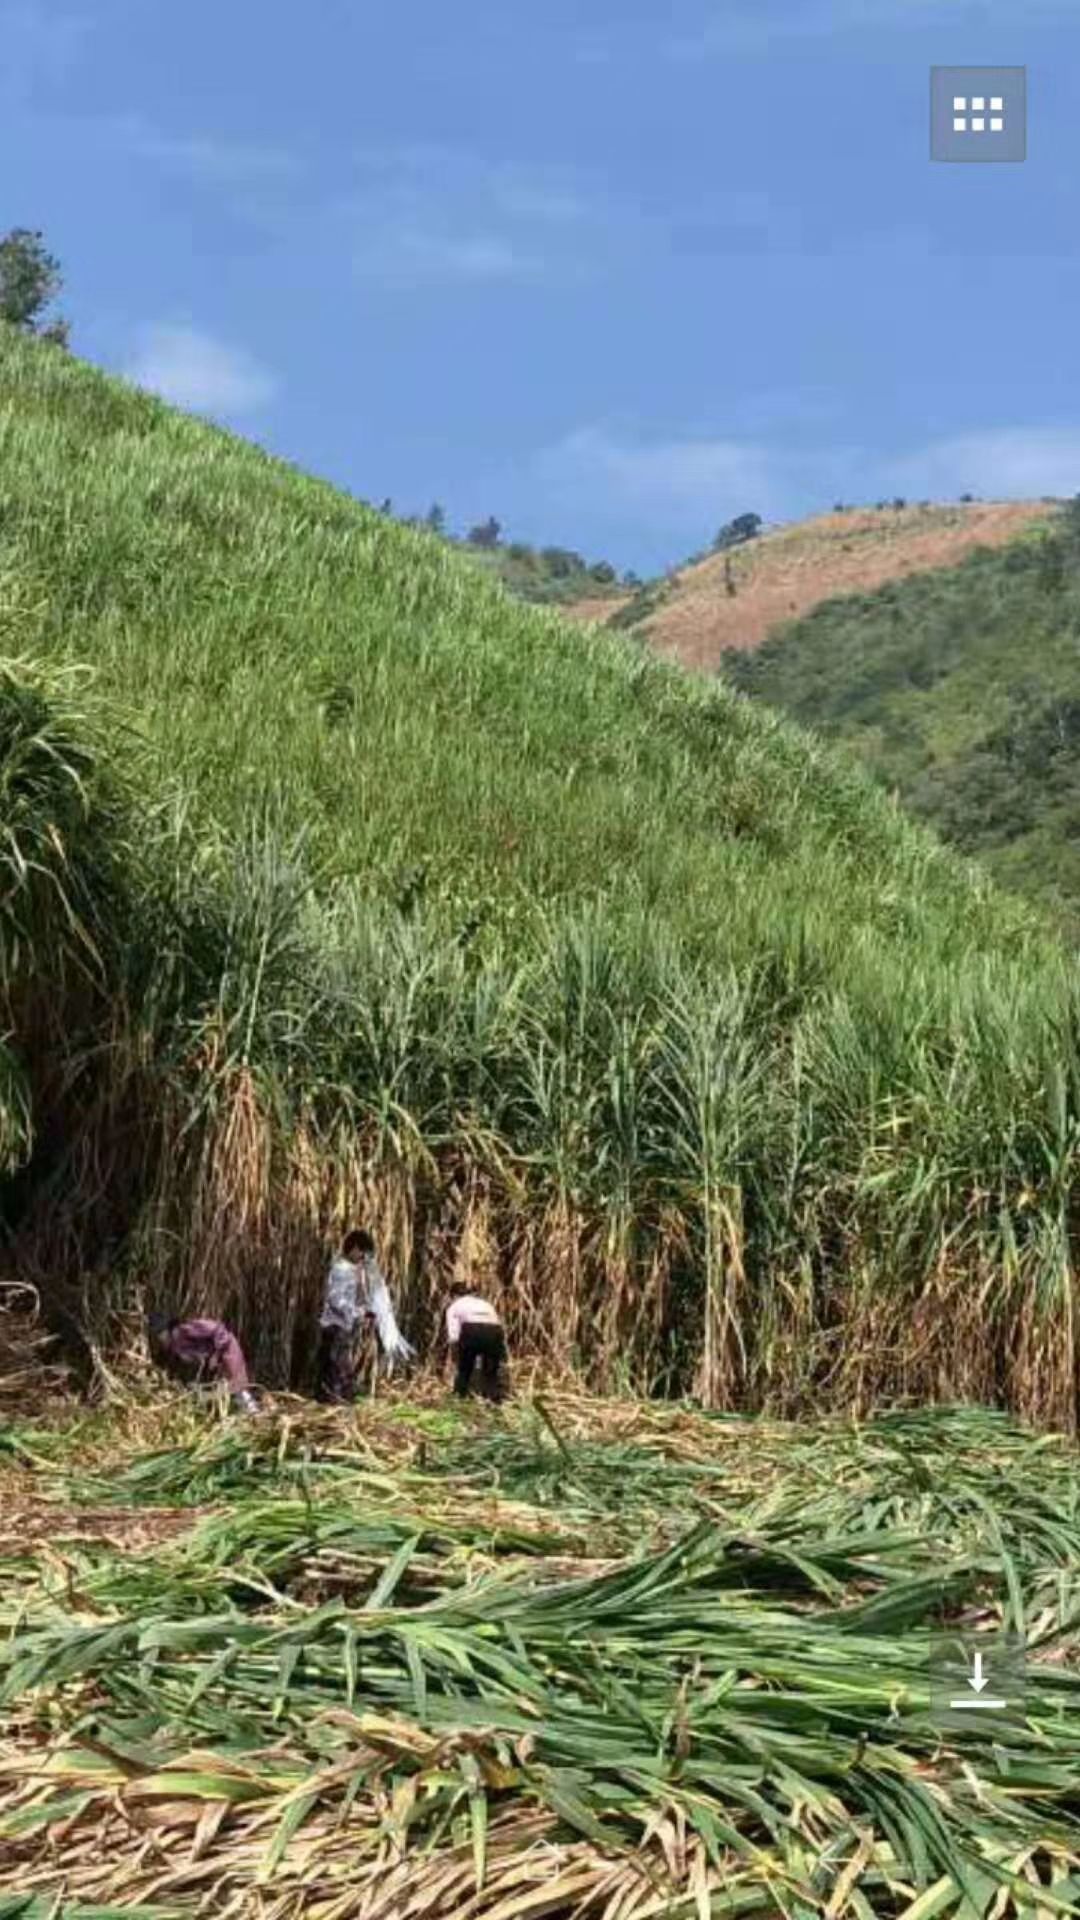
598	608
785	574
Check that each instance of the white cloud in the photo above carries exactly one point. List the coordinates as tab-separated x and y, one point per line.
440	213
1000	463
525	199
199	373
678	488
780	409
672	475
594	49
754	30
256	182
753	26
734	220
409	255
208	159
688	482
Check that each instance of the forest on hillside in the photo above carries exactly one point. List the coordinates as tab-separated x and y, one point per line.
960	692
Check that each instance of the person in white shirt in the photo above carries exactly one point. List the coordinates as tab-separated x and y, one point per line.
356	1294
474	1333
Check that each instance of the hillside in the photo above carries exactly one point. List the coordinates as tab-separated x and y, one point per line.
960	691
337	882
736	599
543	576
547	576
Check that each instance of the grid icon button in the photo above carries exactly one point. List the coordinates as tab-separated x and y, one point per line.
978	113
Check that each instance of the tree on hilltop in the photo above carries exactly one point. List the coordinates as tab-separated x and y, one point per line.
486	534
561	562
735	533
30	280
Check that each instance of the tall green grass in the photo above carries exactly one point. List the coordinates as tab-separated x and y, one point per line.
557	964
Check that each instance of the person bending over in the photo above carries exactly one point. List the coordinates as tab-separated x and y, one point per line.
356	1295
474	1334
205	1349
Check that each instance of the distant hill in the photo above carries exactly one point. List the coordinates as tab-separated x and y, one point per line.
336	885
960	690
737	598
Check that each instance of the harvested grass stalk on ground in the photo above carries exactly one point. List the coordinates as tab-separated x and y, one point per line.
730	1715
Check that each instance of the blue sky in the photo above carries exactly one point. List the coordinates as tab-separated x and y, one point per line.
611	270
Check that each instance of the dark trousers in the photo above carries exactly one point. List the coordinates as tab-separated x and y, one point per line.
486	1344
337	1365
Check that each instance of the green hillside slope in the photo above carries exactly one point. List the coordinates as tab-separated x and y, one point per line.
960	691
546	576
364	889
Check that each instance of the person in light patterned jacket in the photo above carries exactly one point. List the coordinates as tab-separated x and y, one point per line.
356	1295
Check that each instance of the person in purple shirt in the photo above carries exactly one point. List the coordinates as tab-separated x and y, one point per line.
205	1347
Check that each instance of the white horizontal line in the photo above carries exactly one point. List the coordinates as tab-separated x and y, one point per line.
975	1706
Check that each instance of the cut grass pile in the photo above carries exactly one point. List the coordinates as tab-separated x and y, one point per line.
573	1660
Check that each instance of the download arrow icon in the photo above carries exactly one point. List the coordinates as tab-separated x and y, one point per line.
977	1682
